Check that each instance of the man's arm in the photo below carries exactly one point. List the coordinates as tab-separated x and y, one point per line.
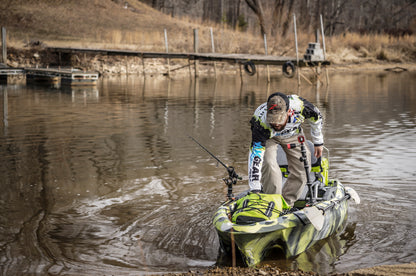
259	137
315	119
318	151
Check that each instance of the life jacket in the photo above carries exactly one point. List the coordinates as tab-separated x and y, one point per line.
256	207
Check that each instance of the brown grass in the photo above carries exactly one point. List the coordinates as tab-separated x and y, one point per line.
375	46
106	24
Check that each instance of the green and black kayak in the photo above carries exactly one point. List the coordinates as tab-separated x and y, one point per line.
255	223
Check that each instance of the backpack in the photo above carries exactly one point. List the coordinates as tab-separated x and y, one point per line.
256	207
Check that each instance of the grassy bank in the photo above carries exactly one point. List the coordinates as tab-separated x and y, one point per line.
372	48
135	26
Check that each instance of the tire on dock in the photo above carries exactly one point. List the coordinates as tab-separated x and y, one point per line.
250	68
288	69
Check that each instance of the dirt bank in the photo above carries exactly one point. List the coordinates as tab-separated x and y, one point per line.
230	271
385	270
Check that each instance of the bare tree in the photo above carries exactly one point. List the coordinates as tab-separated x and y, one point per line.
282	14
257	8
274	17
334	18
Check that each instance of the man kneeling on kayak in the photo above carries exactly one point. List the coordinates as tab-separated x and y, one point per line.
278	121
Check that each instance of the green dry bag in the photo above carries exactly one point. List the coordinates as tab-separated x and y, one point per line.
256	207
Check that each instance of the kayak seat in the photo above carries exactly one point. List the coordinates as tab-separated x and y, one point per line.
283	164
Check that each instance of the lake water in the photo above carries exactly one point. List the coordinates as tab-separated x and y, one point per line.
105	180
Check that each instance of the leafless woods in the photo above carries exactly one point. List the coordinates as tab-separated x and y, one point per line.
274	17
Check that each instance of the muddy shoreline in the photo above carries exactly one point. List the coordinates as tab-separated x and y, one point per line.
408	269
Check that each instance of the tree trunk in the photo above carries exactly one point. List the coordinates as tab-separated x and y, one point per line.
256	7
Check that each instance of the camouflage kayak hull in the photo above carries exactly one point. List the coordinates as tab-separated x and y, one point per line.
293	232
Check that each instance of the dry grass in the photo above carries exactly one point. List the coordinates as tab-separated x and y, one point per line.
375	46
107	24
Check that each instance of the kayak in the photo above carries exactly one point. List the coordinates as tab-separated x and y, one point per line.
320	212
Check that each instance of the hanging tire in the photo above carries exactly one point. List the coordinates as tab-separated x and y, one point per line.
250	68
289	69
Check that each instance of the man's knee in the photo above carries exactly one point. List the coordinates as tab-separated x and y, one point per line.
270	157
269	160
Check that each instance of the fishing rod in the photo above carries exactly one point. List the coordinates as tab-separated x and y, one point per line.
232	175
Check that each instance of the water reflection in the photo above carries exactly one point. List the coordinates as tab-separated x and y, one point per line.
105	179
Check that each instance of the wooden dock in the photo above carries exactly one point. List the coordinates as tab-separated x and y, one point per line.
65	76
231	58
9	71
247	62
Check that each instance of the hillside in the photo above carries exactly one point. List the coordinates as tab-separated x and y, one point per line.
74	19
103	23
133	25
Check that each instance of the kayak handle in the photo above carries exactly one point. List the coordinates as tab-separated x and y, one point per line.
301	140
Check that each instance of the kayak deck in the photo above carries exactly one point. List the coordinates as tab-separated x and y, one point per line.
292	232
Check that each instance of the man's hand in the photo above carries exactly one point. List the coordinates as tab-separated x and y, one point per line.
318	151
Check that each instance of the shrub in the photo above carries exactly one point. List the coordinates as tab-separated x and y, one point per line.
381	55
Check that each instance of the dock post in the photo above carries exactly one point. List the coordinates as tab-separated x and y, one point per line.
5	108
241	73
127	65
189	67
323	45
317	70
213	51
323	36
4	46
296	46
134	63
265	50
167	51
144	69
196	51
85	61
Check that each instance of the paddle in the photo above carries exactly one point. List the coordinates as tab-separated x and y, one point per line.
232	175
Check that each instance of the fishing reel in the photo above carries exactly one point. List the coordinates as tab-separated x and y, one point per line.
232	175
230	181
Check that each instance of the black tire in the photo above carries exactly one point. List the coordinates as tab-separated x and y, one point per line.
250	68
289	73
